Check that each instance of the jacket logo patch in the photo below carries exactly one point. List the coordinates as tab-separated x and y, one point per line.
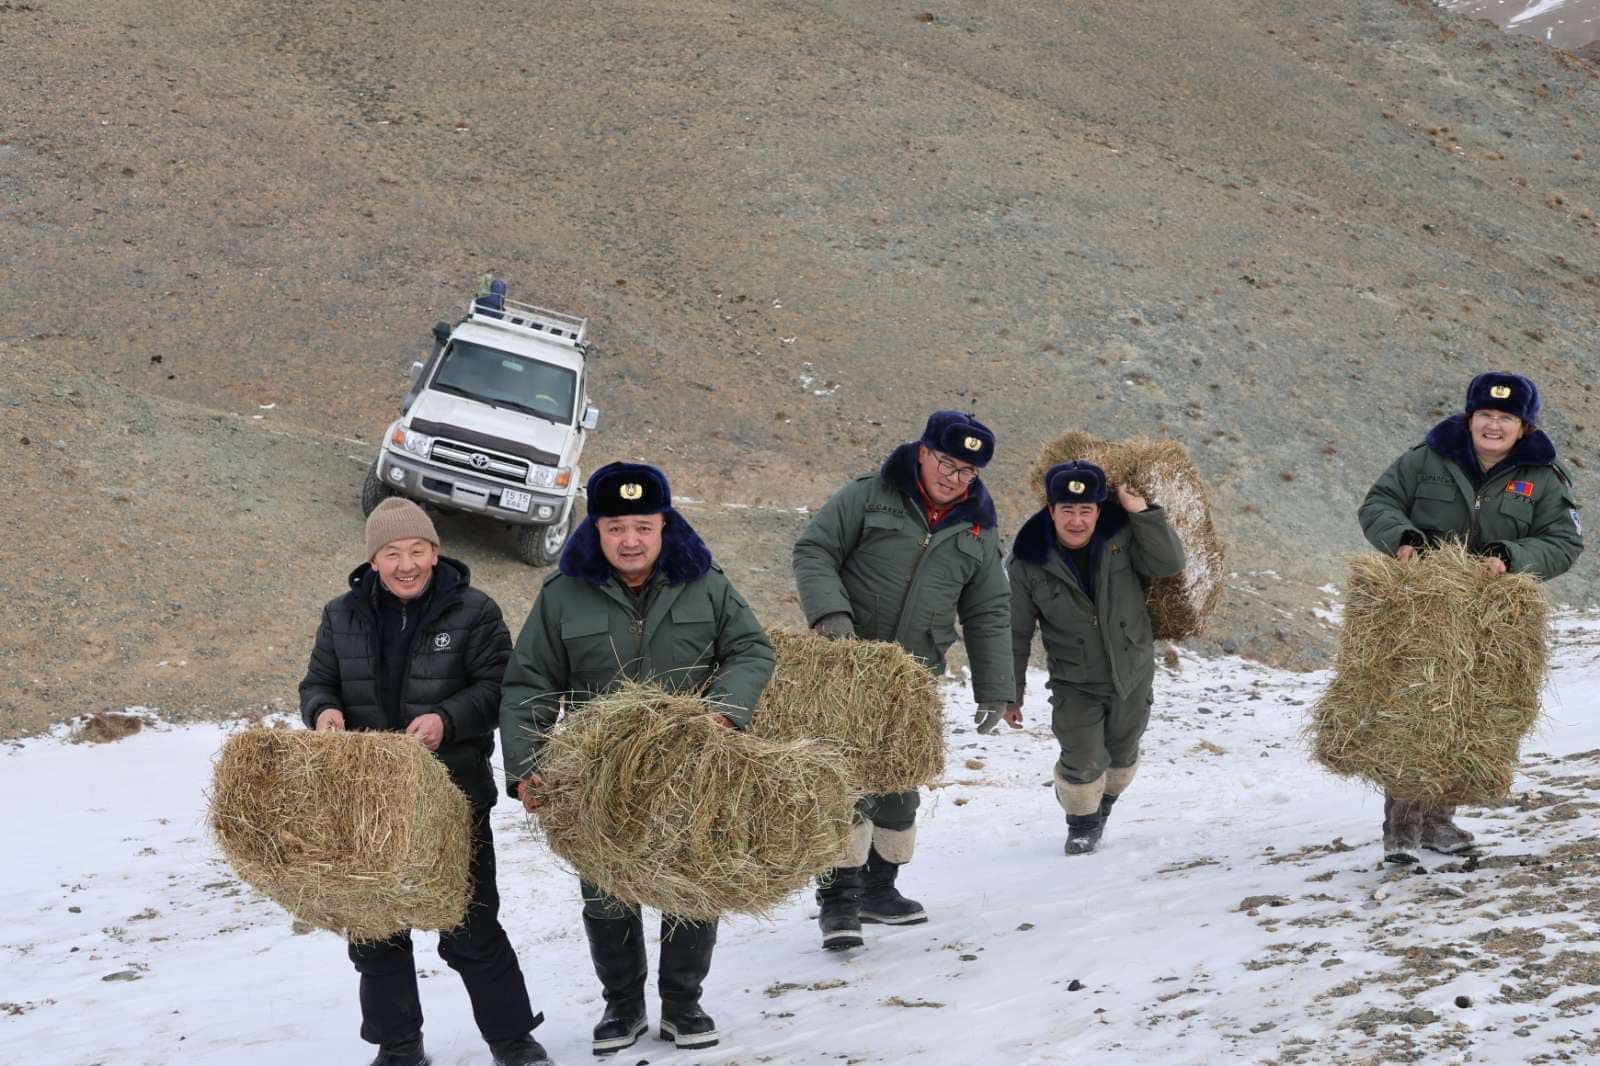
441	642
1520	488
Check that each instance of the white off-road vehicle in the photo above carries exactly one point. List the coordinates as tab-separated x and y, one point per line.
495	422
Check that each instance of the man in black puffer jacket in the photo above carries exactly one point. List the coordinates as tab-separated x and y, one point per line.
414	648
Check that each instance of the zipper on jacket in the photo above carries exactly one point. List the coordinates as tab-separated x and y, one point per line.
911	582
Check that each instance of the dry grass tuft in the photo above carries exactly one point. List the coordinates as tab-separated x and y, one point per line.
651	800
104	727
360	833
1162	472
1437	680
873	701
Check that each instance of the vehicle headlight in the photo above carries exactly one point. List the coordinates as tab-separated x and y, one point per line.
550	477
412	441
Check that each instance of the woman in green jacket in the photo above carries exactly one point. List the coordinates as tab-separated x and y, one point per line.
1075	574
1489	478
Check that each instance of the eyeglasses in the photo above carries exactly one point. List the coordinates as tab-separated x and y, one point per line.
1496	418
963	474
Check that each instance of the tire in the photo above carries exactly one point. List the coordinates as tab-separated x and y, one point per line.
373	490
541	545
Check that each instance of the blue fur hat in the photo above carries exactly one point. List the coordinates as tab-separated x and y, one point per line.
1499	391
960	437
628	488
1076	481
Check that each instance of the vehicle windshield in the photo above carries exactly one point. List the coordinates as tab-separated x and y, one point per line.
503	380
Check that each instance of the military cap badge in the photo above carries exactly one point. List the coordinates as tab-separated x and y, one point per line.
1501	392
631	491
972	444
1076	487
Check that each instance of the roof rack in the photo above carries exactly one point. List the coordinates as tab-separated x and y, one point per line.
526	318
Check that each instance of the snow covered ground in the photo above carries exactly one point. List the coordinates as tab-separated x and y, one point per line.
1564	23
1237	912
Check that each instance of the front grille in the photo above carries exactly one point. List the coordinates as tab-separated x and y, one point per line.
480	461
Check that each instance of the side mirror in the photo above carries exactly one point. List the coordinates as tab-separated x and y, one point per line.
416	371
441	332
591	417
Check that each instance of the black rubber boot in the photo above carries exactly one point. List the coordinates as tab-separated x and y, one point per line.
1083	833
685	960
881	902
839	896
406	1053
617	947
523	1051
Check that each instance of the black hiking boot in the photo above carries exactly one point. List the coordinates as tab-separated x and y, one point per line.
617	947
620	1027
685	960
523	1051
687	1026
839	897
1083	833
881	902
404	1053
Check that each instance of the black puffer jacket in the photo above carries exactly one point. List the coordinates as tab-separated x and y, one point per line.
458	657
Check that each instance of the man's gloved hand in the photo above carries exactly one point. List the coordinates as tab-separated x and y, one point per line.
835	626
988	716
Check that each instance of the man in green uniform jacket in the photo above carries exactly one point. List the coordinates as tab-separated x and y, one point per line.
636	597
1489	478
898	556
1075	570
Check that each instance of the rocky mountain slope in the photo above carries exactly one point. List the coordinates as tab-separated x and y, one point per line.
1284	233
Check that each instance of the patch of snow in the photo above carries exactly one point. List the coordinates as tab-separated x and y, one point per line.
1237	911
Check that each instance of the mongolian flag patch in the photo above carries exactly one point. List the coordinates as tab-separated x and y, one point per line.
1520	488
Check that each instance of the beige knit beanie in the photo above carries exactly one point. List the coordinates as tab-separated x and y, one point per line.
397	518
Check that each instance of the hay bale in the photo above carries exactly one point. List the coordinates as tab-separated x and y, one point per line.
1437	678
359	833
877	704
648	798
1161	471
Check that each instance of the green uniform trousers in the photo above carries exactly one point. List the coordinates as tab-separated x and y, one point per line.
1096	728
896	810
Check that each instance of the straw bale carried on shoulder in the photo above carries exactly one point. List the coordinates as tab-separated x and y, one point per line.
1437	679
361	833
1162	472
651	800
874	701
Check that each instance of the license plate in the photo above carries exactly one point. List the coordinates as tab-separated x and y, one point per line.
514	500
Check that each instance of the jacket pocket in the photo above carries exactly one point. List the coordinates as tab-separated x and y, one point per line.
1437	507
592	654
1065	655
1519	510
693	640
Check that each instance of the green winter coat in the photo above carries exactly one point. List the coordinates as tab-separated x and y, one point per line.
1108	638
583	637
1524	511
869	553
